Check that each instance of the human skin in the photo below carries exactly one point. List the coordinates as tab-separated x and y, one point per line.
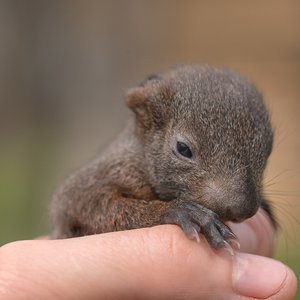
149	263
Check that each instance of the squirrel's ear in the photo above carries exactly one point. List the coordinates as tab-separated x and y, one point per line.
137	100
136	97
142	101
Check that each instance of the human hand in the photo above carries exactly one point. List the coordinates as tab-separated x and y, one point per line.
149	263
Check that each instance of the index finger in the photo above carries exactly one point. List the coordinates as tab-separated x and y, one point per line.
256	235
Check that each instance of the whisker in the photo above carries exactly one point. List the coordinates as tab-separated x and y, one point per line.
277	175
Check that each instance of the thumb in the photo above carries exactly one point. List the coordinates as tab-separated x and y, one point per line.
149	263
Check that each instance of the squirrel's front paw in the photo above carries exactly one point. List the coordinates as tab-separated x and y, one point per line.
194	218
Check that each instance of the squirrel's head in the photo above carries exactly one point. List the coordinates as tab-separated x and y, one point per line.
206	136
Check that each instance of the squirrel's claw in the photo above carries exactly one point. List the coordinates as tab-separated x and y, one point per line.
193	218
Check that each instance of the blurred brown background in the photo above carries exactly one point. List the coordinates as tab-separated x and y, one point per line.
64	66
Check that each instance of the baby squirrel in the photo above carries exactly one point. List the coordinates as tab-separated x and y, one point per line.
193	155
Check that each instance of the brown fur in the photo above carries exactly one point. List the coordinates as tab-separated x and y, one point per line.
141	180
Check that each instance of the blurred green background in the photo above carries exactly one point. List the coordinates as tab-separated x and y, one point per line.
64	66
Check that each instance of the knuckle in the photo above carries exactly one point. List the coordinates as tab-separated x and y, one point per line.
172	241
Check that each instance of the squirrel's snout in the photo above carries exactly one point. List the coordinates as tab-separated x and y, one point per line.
238	213
231	202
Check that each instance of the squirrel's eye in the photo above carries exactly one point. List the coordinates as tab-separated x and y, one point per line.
184	150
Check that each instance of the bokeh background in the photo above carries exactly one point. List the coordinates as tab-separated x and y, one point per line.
64	67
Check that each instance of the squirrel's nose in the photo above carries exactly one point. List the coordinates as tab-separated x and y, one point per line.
232	202
239	212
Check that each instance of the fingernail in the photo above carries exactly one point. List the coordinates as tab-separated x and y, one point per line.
247	237
257	276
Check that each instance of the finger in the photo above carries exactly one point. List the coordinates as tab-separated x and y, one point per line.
263	278
256	235
153	263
